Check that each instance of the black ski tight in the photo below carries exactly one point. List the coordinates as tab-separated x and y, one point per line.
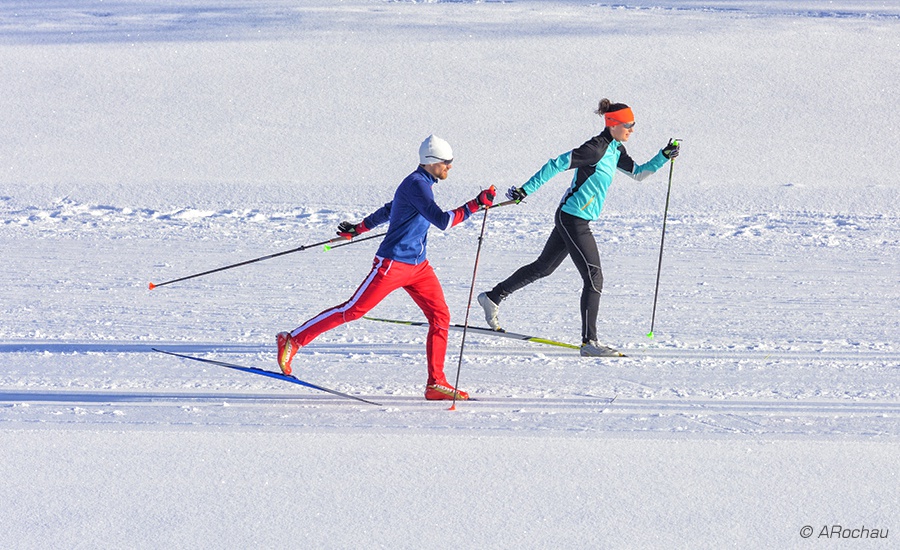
571	236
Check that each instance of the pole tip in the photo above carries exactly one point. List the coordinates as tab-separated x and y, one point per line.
650	335
452	407
152	286
327	248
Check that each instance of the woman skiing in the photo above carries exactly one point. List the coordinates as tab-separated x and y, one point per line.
594	163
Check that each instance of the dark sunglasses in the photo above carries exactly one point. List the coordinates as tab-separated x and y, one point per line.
628	125
440	159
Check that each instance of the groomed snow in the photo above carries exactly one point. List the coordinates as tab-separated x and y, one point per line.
145	142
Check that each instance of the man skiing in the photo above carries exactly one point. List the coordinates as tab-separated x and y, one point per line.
401	262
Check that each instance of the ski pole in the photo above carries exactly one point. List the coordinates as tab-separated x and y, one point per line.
469	304
471	293
269	257
504	203
661	243
344	242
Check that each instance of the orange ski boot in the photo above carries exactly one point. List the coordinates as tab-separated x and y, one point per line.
286	351
442	391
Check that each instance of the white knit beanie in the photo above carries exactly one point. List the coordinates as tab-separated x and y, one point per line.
434	150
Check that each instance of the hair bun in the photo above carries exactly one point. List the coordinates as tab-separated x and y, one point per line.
603	107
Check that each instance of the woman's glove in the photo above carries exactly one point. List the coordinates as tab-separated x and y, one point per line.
671	150
516	194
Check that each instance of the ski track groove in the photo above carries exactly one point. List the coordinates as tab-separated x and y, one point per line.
474	348
613	404
553	412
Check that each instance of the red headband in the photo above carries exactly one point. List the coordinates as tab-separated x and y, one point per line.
622	116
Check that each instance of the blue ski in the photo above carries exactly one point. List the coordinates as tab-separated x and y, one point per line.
269	373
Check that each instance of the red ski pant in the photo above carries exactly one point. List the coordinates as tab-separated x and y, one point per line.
419	281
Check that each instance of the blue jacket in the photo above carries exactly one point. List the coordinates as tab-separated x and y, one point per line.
595	162
410	214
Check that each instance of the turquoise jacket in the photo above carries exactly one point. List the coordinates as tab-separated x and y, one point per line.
594	162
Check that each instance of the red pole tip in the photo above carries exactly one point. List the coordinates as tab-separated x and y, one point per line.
452	408
152	286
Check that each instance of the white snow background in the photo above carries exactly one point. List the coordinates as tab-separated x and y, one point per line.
144	141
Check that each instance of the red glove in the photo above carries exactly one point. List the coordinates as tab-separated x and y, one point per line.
348	230
485	199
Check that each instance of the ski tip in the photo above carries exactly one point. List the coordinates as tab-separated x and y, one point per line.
152	286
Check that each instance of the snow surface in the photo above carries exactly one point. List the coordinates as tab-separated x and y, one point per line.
145	141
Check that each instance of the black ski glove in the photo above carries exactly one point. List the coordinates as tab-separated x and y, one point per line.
671	150
516	194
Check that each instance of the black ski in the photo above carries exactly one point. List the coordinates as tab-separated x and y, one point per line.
269	373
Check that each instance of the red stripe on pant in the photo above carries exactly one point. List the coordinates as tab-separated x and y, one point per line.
419	281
